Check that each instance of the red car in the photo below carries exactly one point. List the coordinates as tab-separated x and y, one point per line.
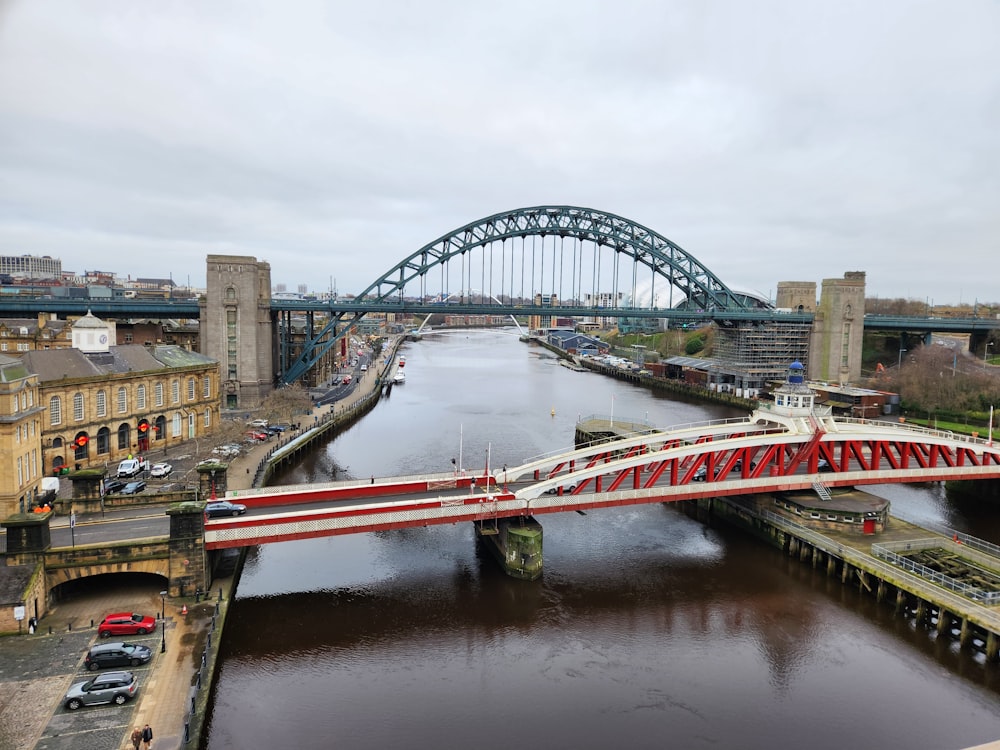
126	623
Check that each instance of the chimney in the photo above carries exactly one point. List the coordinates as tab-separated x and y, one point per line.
43	318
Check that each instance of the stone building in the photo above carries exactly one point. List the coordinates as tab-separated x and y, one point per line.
45	331
104	402
21	416
838	330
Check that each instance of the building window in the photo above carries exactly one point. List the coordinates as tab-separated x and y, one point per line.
128	338
208	418
55	411
15	403
140	397
190	389
175	391
21	347
103	441
20	475
175	426
124	436
206	387
102	404
158	393
232	372
78	407
122	400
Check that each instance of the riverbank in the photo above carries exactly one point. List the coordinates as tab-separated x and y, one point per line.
37	669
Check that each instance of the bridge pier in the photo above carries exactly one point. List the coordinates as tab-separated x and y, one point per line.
516	543
188	560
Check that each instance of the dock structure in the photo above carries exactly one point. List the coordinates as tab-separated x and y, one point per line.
957	594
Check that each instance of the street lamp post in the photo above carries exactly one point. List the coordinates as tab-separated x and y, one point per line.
902	351
986	353
163	623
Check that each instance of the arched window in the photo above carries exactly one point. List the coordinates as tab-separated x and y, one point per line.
103	441
175	428
81	446
208	418
102	404
230	292
122	400
124	436
158	394
140	397
206	387
160	428
175	391
55	411
77	407
190	389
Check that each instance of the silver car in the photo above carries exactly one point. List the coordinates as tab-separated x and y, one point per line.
108	687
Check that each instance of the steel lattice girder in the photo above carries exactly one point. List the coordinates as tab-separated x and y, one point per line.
643	245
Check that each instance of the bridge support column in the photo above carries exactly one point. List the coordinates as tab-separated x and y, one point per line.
188	564
965	634
992	646
516	543
944	621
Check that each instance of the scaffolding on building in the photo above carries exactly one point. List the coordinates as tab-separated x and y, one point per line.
754	353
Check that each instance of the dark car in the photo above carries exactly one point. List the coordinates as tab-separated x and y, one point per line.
117	655
109	687
126	623
218	508
113	485
133	488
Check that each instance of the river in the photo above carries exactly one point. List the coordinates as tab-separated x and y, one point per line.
647	629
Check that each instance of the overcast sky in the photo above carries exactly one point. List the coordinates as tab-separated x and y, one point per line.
771	140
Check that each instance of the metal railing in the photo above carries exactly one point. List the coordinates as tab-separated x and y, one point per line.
975	593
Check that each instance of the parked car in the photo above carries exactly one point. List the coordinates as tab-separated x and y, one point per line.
126	623
113	485
277	429
130	467
218	508
259	423
117	654
133	488
161	470
109	687
257	435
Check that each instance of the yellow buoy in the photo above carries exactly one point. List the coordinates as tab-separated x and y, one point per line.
553	412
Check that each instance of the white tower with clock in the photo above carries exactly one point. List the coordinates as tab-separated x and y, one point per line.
92	335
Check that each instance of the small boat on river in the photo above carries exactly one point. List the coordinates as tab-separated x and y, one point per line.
399	378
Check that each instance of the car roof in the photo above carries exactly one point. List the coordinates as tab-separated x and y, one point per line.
122	614
114	645
118	675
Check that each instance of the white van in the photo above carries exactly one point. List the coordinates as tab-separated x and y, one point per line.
132	466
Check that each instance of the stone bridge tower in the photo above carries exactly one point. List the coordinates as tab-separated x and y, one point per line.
237	330
838	330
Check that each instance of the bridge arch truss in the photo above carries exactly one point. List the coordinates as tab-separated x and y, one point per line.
549	254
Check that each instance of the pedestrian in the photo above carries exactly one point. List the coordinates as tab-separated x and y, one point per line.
147	736
136	738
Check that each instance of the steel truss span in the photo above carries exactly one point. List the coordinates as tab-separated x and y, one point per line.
728	457
559	254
